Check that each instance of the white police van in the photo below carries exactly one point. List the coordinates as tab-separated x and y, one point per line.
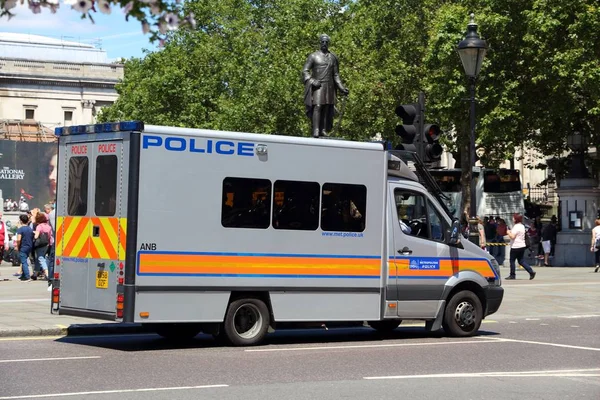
231	233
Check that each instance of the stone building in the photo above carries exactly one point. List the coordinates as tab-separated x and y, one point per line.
52	82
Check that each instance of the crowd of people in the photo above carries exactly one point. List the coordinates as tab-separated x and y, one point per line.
12	205
532	240
32	244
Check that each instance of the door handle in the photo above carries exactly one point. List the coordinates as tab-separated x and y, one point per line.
405	251
96	231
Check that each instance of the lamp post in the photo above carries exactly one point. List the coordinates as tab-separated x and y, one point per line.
577	143
472	51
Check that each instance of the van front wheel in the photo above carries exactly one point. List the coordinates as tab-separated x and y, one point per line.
246	322
463	314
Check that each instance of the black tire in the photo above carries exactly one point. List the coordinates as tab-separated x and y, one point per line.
246	322
463	314
385	326
176	331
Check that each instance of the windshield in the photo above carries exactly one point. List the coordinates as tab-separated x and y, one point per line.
501	181
448	181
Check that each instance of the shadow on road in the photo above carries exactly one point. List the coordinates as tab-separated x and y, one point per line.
152	342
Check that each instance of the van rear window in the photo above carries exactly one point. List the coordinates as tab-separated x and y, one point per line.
78	186
105	200
246	203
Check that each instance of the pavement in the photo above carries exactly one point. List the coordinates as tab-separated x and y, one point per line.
26	305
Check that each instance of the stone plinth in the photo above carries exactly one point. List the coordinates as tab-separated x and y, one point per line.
573	243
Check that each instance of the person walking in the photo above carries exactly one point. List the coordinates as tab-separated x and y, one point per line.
24	245
42	242
548	235
3	238
517	247
595	242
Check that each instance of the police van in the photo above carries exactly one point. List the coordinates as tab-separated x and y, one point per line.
235	234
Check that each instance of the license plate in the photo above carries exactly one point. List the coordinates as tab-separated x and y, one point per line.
102	279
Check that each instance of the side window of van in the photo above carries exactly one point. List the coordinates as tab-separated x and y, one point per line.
417	216
246	203
412	213
296	205
78	186
343	207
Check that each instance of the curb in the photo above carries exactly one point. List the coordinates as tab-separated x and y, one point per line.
76	330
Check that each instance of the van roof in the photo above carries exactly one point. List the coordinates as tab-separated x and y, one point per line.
258	137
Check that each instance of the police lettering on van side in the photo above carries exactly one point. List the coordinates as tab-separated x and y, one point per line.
198	145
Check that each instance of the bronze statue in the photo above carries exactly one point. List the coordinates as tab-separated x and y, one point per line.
319	88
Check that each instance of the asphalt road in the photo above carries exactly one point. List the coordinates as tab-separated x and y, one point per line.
543	344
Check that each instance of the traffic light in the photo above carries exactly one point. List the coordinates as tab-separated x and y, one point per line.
408	130
433	148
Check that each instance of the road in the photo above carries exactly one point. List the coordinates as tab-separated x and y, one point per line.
544	344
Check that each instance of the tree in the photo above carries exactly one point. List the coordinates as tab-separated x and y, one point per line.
240	70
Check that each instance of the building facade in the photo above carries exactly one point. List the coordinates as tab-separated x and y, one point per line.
54	82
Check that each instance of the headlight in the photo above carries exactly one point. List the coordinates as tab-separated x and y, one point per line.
495	266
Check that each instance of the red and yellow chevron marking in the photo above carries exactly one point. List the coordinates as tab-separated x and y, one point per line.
74	237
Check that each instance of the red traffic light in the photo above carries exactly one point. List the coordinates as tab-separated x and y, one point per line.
432	133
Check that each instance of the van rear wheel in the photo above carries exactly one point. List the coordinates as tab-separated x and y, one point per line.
385	326
463	314
246	322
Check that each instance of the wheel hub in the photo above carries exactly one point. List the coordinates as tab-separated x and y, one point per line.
465	314
247	321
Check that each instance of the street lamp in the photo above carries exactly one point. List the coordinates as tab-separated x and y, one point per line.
472	52
577	143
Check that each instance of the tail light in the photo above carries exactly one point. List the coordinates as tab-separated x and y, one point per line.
55	299
120	299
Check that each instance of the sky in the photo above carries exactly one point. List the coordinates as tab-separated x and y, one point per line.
119	38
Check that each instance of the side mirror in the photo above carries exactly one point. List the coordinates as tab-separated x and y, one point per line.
454	232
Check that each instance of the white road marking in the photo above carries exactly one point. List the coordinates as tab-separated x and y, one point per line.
48	359
512	322
532	319
367	346
12	339
574	326
579	316
526	286
568	346
512	374
38	396
23	300
543	324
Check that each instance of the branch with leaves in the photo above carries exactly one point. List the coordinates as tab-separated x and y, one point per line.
157	17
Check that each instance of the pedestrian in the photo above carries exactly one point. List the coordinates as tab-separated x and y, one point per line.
42	240
24	245
481	232
517	247
596	244
554	221
501	232
51	215
548	235
3	238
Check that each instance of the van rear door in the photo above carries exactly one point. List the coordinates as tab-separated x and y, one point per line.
91	225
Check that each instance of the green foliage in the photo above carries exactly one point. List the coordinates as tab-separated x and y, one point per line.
240	69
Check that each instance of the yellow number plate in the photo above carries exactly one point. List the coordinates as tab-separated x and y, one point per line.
102	279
